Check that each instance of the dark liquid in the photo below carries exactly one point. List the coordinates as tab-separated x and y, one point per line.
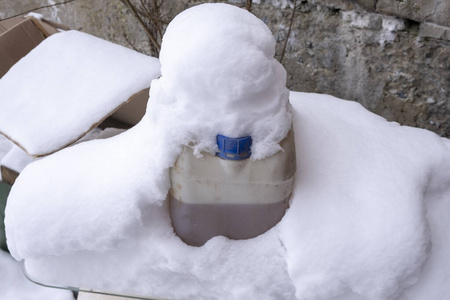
195	224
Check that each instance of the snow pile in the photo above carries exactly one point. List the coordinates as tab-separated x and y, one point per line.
367	214
62	88
369	197
358	219
14	285
168	124
202	81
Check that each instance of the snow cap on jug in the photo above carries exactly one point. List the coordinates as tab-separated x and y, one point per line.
218	69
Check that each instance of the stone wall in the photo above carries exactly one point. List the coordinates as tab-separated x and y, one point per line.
392	56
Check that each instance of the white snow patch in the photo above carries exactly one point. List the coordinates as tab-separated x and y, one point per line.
5	146
16	159
14	285
35	15
65	85
359	201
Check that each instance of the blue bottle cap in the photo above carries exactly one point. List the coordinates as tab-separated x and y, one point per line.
234	148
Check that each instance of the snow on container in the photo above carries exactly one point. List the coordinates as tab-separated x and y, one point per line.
217	64
229	194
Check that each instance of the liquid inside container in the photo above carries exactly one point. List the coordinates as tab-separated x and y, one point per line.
239	199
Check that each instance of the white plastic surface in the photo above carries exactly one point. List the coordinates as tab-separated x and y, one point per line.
213	180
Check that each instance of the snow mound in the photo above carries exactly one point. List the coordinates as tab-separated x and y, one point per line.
368	213
14	285
202	81
358	218
66	85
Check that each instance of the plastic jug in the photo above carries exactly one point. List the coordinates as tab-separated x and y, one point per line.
230	194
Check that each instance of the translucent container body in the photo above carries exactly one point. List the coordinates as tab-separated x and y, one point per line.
239	199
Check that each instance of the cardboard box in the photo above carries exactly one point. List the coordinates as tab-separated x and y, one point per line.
19	35
132	111
9	176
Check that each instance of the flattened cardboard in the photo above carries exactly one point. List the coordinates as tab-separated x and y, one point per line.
8	175
27	33
134	109
48	27
17	42
125	116
19	35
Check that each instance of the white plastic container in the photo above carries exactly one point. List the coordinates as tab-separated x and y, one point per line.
229	194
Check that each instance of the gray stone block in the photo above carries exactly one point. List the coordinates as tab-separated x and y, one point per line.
338	4
441	14
417	10
434	31
363	20
369	5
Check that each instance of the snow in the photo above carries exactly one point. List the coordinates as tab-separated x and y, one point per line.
5	146
68	80
368	215
360	201
369	197
16	159
35	15
14	285
205	79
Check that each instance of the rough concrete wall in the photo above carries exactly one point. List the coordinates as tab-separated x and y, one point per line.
383	62
107	19
391	56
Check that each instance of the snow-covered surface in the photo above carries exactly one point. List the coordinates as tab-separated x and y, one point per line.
16	159
204	78
14	285
359	219
368	217
66	85
35	15
369	210
5	146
